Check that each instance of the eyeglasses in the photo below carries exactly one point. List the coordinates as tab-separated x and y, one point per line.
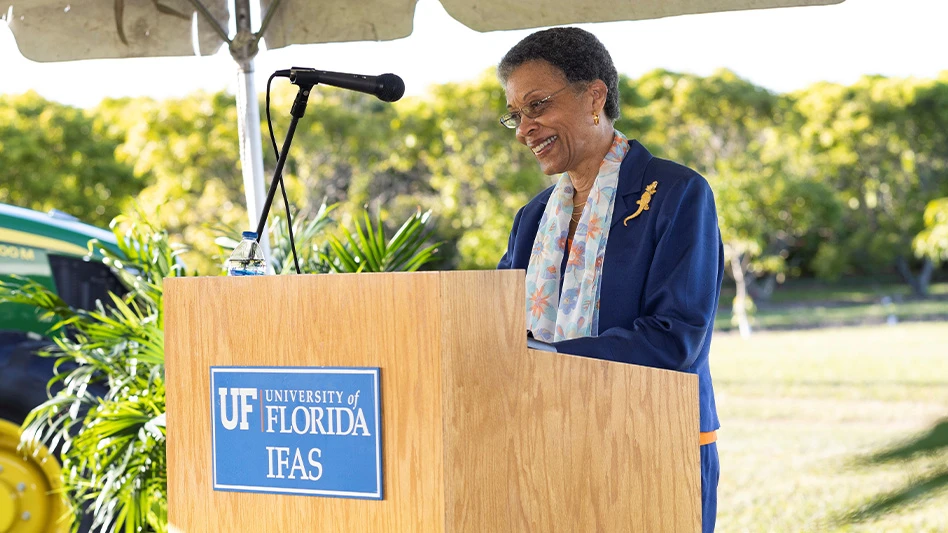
532	110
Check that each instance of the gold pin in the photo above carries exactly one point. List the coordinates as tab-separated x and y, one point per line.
643	202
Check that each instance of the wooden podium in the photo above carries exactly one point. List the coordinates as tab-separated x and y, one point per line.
478	433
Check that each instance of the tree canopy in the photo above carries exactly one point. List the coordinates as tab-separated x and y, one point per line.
54	156
827	181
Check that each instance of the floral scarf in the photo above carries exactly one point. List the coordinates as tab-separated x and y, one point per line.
551	315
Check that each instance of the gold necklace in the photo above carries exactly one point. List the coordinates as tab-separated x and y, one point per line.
576	216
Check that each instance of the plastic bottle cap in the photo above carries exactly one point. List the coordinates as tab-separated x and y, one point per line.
250	235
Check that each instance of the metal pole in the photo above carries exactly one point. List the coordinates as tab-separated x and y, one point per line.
243	48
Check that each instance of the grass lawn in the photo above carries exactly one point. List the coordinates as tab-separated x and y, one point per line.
800	408
810	305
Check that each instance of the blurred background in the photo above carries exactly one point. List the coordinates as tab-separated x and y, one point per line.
822	130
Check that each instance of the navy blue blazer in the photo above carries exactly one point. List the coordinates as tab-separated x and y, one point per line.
661	276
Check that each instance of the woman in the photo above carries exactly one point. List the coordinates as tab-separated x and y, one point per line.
623	255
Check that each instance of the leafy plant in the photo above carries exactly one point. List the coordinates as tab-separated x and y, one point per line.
307	234
367	250
108	415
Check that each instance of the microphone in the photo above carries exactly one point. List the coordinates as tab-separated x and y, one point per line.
387	87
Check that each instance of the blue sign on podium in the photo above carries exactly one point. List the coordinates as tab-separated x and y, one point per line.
297	430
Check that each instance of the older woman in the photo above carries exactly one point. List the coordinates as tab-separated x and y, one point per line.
623	254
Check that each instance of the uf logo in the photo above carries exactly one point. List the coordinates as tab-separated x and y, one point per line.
230	422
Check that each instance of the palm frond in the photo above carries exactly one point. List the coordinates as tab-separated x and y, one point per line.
106	410
367	249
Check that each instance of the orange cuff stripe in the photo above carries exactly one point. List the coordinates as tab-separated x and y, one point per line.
707	438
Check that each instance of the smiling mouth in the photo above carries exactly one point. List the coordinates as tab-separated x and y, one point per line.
540	148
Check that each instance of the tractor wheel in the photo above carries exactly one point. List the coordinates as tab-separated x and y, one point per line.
30	499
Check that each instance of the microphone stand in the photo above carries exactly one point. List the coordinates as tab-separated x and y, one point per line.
296	113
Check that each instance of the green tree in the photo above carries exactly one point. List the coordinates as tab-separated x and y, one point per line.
702	122
186	151
763	219
342	145
932	242
882	144
54	156
732	132
444	152
480	174
350	150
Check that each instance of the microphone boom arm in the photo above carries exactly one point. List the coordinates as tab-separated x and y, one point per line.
296	113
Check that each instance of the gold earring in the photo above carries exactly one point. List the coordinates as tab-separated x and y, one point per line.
596	118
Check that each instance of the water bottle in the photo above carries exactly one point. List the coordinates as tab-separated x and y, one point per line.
247	259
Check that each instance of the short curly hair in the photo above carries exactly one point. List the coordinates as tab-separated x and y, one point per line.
577	53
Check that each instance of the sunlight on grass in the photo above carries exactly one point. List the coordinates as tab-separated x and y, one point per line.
799	409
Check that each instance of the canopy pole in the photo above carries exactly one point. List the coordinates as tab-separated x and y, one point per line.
243	48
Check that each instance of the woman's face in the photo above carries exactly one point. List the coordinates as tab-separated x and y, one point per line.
561	137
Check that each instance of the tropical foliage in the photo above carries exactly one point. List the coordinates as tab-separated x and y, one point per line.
369	251
108	411
108	415
308	238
